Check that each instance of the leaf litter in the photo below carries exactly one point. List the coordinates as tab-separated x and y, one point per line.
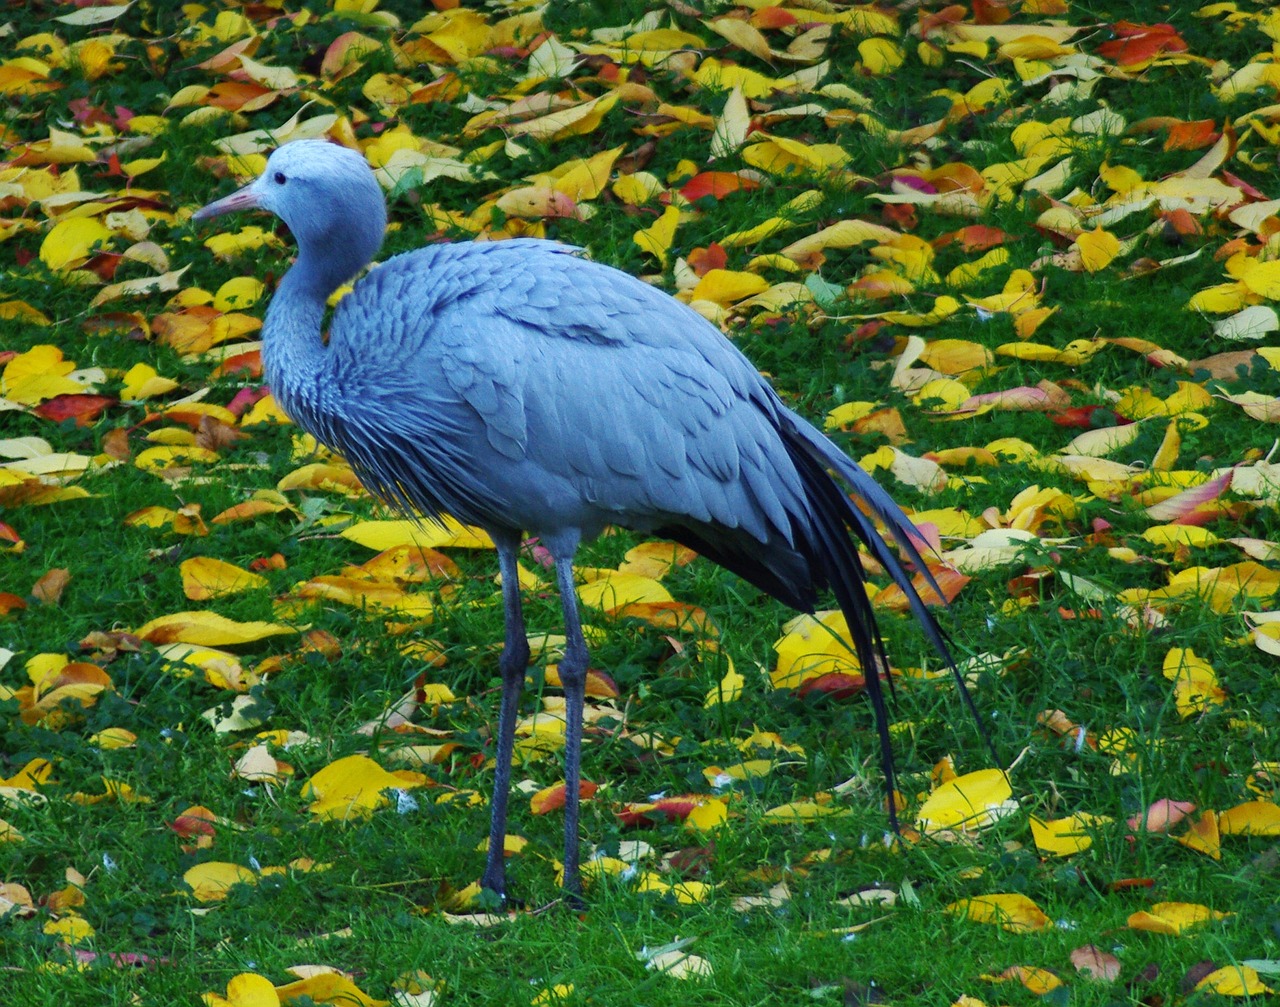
1039	186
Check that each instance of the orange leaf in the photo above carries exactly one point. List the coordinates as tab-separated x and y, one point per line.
1191	135
716	184
552	798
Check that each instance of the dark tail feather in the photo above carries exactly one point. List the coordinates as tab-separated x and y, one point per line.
837	558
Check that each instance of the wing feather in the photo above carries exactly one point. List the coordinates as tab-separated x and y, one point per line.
513	347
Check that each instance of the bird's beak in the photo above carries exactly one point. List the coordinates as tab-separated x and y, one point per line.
241	199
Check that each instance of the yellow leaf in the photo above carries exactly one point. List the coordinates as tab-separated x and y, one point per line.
942	395
637	188
1172	536
22	311
211	881
1262	278
247	989
327	988
814	645
967	273
708	816
70	242
731	127
204	577
726	287
246	239
142	382
1234	981
1061	837
801	811
1011	911
1253	818
112	738
38	374
1174	918
1219	299
208	629
780	155
1038	981
381	535
613	591
713	73
971	801
72	929
880	56
239	293
656	239
728	690
1097	248
573	121
585	178
173	456
1203	836
1195	682
842	234
353	787
552	995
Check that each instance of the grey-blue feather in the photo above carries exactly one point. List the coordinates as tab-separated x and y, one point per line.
521	388
494	377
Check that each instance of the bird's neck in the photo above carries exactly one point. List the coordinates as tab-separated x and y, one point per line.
293	349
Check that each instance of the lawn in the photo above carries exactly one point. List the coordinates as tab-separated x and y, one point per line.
1020	261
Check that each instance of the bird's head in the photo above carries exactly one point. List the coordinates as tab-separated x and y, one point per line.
326	193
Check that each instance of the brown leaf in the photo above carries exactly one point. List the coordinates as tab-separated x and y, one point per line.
116	444
48	589
1095	963
1225	366
215	435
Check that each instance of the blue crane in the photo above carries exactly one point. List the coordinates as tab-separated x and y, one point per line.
524	389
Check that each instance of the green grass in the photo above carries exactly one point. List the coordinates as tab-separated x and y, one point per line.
378	908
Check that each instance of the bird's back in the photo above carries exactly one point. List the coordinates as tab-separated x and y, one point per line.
518	386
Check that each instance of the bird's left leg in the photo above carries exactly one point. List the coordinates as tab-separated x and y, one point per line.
573	677
513	664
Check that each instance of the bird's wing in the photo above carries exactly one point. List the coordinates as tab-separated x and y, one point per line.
568	390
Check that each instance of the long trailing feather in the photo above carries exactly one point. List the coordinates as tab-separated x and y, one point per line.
837	560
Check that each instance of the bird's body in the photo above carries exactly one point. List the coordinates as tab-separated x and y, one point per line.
521	388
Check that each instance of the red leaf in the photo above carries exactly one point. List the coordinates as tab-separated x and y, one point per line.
1140	43
836	685
247	365
703	260
716	184
1089	417
1182	508
1120	884
84	409
990	12
245	398
672	809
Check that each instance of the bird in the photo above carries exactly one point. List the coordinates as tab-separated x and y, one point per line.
520	387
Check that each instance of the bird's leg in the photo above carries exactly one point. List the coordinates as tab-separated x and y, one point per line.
513	664
573	677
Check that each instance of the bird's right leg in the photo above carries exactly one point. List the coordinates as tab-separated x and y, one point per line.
513	664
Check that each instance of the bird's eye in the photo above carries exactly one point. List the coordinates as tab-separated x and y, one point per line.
279	178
